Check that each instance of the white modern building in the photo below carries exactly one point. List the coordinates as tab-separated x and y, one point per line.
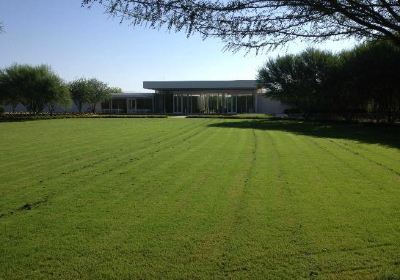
187	97
195	97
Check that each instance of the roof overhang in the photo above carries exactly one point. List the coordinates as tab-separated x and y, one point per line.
201	85
132	95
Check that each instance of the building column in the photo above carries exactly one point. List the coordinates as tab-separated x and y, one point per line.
255	100
152	103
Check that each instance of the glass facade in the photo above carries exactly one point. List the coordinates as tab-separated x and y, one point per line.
114	106
183	102
203	103
127	106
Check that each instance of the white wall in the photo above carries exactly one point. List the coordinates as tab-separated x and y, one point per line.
268	106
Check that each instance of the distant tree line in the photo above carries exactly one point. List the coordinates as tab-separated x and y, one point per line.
39	88
360	83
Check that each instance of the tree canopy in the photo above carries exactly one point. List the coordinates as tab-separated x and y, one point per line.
258	24
360	82
90	92
33	86
98	92
115	90
298	80
79	90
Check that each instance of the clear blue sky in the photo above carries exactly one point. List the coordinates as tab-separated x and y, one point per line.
78	42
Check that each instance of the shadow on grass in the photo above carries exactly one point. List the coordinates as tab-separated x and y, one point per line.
387	135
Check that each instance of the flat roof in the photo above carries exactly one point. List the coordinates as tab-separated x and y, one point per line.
200	85
132	94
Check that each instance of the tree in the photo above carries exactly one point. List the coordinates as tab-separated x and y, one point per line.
34	86
98	91
9	94
347	95
264	23
61	97
360	82
299	80
79	92
115	90
377	77
90	92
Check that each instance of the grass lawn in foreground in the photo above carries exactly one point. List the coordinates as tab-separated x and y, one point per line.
198	199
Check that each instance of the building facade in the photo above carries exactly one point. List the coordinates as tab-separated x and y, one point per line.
195	97
187	97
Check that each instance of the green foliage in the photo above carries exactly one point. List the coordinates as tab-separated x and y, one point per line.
363	81
90	92
38	87
115	90
298	80
79	92
98	92
34	86
378	77
9	91
256	24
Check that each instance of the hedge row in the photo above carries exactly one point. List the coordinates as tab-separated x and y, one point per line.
27	117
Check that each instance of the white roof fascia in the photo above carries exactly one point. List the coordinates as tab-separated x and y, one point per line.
200	85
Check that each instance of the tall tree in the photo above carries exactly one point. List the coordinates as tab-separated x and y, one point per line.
264	23
377	76
90	92
34	86
9	93
299	80
79	92
347	95
98	91
61	97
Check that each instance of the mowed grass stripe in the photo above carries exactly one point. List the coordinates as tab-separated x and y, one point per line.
101	164
109	168
382	153
112	151
160	206
56	176
388	164
179	222
68	147
374	175
332	169
88	150
361	213
209	199
67	200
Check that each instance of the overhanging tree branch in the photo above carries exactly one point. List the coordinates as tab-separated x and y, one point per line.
257	24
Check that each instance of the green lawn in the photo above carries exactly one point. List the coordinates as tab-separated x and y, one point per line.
198	199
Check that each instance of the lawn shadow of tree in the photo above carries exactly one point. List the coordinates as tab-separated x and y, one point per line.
385	135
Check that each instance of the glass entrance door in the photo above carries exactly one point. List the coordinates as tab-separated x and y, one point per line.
178	104
133	106
231	104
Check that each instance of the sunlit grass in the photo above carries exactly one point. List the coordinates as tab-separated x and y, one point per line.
198	199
